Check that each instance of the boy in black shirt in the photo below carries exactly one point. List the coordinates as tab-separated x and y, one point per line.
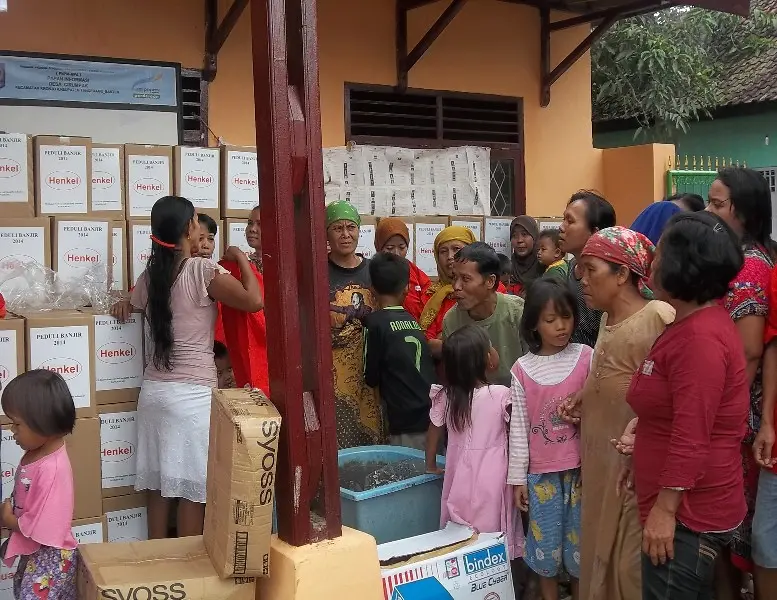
397	359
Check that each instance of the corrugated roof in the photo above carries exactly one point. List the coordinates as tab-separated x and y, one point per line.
753	79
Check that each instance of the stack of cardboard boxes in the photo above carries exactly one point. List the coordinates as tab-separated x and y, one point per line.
235	548
70	204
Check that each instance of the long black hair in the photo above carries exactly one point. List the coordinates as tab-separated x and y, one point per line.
465	358
170	219
752	202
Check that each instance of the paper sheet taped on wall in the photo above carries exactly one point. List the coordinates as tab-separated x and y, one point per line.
391	181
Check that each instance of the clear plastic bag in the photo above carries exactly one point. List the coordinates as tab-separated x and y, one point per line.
32	286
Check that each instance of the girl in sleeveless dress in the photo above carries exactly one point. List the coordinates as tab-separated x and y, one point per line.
476	415
544	465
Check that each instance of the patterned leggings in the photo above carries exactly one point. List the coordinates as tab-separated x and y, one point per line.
48	574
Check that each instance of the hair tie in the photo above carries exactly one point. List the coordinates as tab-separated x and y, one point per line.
156	240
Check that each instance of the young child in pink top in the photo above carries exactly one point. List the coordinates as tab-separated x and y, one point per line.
39	513
544	465
476	415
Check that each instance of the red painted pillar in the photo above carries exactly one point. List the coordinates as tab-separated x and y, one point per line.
288	140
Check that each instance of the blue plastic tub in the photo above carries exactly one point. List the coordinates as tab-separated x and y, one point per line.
393	511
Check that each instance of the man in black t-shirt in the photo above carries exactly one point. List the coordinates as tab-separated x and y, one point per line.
397	359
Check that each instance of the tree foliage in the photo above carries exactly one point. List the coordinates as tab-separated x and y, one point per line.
668	68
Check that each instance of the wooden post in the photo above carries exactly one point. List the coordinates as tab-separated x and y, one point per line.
288	136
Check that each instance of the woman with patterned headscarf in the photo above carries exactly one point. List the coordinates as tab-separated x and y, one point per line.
359	418
614	266
526	267
393	236
438	299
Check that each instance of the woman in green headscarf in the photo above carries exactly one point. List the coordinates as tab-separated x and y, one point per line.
359	417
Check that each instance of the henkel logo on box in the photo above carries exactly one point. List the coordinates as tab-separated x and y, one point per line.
9	168
80	246
9	359
62	176
10	457
88	534
199	176
148	179
129	525
14	183
425	234
118	442
106	179
243	177
56	348
141	249
118	352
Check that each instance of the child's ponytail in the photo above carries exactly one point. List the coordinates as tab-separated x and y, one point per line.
465	358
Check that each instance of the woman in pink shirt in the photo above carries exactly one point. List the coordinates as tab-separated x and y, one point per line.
178	293
39	512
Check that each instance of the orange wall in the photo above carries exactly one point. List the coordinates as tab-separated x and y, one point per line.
491	47
634	177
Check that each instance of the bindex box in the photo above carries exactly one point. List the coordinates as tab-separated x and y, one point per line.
426	231
240	181
198	178
11	354
108	181
82	246
149	176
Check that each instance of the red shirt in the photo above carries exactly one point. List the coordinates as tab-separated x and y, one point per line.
692	397
246	335
416	297
770	330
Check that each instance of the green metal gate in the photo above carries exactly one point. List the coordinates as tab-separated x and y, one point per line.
694	175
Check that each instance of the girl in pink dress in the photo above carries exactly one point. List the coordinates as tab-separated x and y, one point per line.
476	415
39	513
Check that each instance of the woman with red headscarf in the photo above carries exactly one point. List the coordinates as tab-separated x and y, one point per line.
614	265
393	236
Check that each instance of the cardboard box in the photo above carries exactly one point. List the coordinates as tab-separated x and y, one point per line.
455	563
127	517
90	531
83	448
81	246
63	341
139	239
7	574
17	184
367	236
171	569
240	181
11	354
218	251
119	256
426	231
474	224
198	178
23	241
107	181
118	357
235	230
497	234
549	222
149	177
118	448
242	456
63	167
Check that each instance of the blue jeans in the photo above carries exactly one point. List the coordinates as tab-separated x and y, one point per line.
765	522
690	574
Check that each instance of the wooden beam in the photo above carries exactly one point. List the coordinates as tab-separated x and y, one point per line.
544	55
401	43
220	36
434	32
629	10
549	78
